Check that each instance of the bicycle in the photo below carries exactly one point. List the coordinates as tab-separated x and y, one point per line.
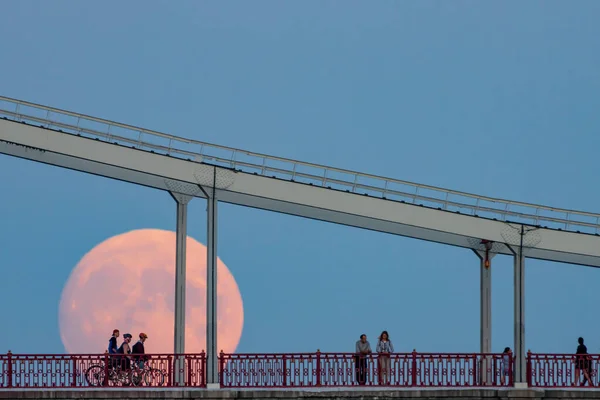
95	375
148	375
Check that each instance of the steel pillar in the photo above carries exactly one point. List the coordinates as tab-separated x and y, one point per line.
485	312
520	352
485	304
180	284
212	364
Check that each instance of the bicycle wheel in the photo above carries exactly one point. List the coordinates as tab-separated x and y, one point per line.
123	378
95	375
154	377
137	377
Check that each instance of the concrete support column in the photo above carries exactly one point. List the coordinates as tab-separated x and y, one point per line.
212	362
180	285
518	239
485	312
520	355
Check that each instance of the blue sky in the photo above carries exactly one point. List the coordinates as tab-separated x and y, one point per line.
496	98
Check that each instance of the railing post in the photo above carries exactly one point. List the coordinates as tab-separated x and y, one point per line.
73	372
495	372
284	370
477	362
318	367
221	367
169	370
188	364
106	361
414	368
294	177
203	367
529	370
9	382
48	119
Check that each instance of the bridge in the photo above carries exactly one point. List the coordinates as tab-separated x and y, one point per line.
190	169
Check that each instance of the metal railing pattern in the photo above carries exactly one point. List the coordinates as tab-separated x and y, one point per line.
293	370
274	370
296	370
298	171
563	370
26	371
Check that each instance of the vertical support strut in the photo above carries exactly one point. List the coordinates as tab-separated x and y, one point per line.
212	364
520	356
485	311
180	285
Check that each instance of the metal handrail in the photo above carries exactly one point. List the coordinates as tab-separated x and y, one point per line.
354	182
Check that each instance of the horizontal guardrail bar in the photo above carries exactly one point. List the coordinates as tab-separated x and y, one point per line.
102	370
255	370
563	370
352	369
325	177
293	370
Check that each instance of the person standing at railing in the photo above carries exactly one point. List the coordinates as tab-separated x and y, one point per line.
384	349
582	363
362	349
505	365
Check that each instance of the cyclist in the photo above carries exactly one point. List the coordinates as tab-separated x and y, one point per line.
112	348
125	349
138	348
112	342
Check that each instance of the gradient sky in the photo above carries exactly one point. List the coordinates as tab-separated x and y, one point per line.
496	98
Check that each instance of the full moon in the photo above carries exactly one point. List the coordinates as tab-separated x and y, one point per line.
127	282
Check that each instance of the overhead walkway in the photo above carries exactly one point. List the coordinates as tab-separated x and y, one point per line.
176	164
188	168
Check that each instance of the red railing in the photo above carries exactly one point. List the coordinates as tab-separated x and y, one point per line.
91	370
295	370
562	370
348	369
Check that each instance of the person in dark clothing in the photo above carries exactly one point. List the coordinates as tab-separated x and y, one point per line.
112	348
112	342
138	348
582	363
125	349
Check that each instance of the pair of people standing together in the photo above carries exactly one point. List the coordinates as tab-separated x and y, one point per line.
384	349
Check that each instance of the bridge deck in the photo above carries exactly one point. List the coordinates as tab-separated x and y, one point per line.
167	162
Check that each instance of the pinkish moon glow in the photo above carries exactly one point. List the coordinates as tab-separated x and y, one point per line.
127	282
